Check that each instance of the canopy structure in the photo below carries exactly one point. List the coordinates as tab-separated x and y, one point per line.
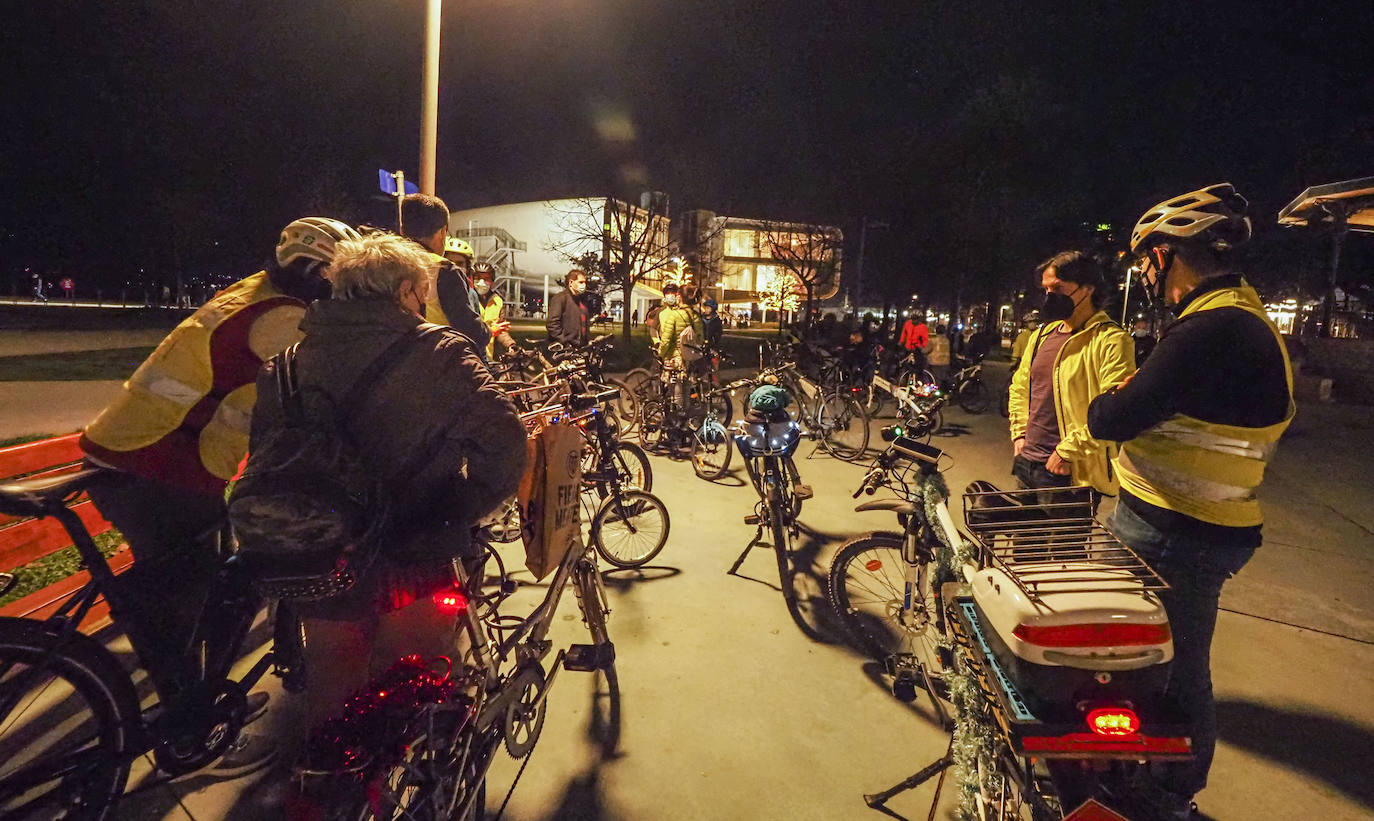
1350	202
1345	206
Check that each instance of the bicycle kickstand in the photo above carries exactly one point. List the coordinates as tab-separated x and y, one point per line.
758	538
878	801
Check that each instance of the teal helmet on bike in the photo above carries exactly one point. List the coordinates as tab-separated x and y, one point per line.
768	399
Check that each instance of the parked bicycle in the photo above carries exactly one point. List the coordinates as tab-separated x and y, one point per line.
78	769
834	418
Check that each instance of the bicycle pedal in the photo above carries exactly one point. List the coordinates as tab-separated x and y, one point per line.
803	492
589	657
753	519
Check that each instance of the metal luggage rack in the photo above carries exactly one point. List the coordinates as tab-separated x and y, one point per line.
1048	541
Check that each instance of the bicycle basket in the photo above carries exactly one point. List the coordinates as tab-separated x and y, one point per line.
767	437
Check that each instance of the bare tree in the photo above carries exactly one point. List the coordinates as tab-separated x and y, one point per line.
810	253
622	243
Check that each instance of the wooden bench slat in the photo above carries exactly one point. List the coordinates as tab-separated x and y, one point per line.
29	457
35	538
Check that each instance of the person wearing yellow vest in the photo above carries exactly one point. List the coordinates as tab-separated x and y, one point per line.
493	308
1198	424
451	301
178	431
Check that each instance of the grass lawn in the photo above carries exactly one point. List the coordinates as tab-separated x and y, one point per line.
73	366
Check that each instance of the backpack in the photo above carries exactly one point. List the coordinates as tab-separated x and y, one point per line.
688	346
307	510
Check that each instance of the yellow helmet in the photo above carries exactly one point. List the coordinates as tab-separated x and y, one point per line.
457	245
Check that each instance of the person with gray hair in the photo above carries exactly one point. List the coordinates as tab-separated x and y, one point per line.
434	427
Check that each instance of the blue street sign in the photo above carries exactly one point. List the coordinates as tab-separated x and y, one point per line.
387	182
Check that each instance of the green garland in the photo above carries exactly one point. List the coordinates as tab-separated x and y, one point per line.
975	731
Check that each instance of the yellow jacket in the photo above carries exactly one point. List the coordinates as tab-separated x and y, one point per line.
491	314
1096	357
672	322
183	417
1207	470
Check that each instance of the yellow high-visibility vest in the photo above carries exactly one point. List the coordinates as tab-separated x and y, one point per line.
1202	469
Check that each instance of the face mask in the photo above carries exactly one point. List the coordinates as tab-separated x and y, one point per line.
1057	306
482	286
577	288
670	299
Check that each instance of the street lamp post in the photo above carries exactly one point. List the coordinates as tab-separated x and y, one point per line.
429	101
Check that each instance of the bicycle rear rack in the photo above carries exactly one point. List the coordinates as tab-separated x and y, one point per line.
1047	540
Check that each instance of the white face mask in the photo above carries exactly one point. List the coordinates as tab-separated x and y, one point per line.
670	299
482	286
577	287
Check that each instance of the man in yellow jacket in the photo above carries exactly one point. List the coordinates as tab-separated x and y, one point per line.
1198	423
493	308
1070	360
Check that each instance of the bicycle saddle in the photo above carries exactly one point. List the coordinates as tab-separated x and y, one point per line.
894	505
40	495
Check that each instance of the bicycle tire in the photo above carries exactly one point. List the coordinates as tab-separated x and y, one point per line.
974	397
782	541
868	601
631	463
623	516
844	426
712	450
626	405
89	670
651	422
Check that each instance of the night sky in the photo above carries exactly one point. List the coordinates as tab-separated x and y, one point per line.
140	134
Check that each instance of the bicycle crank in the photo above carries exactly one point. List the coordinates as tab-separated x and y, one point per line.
524	717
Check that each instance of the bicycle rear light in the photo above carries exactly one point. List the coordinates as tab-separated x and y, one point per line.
451	601
1113	721
1092	635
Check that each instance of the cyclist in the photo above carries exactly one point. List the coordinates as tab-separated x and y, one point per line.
568	319
711	323
1198	424
1077	355
178	431
451	300
447	441
1029	324
493	309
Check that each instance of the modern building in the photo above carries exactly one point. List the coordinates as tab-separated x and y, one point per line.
754	264
533	245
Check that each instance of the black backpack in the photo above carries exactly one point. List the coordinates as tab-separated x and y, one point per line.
307	510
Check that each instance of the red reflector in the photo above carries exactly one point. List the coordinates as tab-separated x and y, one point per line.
1083	744
1091	810
873	565
451	600
1115	721
1092	635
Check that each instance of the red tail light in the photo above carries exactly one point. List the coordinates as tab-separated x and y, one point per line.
452	601
1113	721
1092	635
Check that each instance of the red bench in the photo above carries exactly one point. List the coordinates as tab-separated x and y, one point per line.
24	540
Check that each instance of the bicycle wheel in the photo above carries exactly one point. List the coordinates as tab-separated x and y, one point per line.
974	397
867	589
711	450
67	713
626	405
780	523
630	528
844	426
651	424
631	465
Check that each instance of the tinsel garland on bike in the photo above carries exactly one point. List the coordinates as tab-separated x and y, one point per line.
975	730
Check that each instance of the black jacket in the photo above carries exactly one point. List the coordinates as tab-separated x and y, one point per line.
567	321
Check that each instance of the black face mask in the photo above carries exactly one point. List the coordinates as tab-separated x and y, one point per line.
1057	306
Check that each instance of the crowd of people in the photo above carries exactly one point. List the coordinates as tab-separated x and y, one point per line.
1182	441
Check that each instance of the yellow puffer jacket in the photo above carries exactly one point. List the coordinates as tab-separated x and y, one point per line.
183	417
1096	357
491	314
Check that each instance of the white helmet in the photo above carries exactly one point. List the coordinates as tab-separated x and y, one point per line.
1215	215
312	238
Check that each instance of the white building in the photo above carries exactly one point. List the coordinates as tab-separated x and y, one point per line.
532	245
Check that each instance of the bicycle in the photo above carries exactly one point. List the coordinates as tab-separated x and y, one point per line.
835	418
55	771
629	524
430	761
766	445
884	586
964	386
676	405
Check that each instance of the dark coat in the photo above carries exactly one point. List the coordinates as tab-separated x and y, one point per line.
566	322
437	397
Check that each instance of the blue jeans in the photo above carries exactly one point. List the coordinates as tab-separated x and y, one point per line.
1195	571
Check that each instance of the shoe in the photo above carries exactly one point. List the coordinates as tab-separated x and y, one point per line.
248	754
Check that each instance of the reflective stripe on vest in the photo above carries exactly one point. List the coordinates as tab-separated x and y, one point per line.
1201	469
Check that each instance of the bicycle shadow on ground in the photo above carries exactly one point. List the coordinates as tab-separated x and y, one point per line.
622	579
811	611
1323	746
950	430
921	707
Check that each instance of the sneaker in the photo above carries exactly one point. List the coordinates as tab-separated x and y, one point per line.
248	754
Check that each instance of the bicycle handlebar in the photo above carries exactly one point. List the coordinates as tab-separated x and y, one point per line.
582	401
